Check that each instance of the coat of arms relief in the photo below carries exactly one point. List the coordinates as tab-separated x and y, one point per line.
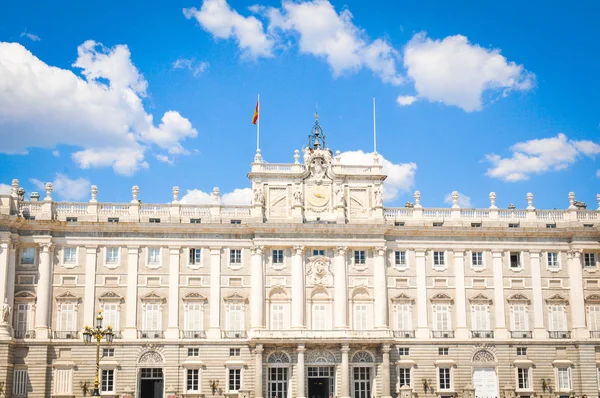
319	271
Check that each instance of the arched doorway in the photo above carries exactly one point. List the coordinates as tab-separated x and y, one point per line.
150	375
485	379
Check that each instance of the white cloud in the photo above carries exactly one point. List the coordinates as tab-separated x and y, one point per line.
463	200
5	189
56	153
101	113
598	173
216	17
66	188
324	33
539	156
164	159
30	36
197	68
400	176
456	72
406	100
239	196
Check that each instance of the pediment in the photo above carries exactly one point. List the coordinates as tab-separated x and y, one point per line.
441	297
25	295
518	297
403	298
481	298
235	297
152	296
593	298
194	297
67	296
110	296
557	298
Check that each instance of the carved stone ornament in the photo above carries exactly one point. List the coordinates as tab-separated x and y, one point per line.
483	356
319	356
557	299
518	297
151	357
319	271
279	357
362	357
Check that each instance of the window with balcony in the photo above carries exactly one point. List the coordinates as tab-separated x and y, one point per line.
235	317
523	375
319	317
360	257
277	256
193	319
152	320
67	321
552	259
112	316
403	320
442	318
593	311
557	321
520	318
480	320
28	255
24	320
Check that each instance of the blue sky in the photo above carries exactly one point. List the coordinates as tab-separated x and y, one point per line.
471	97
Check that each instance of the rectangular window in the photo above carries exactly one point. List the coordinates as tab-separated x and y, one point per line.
475	225
235	317
523	378
520	318
236	222
360	317
192	383
112	316
195	220
113	219
558	319
552	258
513	225
20	381
403	317
589	260
234	381
277	316
403	351
112	255
550	225
108	380
195	256
69	255
360	257
193	352
444	374
63	381
278	256
404	376
443	351
515	261
442	317
108	352
319	321
594	317
400	258
477	259
438	224
438	259
154	220
521	351
480	317
152	317
154	255
71	219
564	378
234	352
28	255
235	256
318	252
398	224
67	321
193	317
23	318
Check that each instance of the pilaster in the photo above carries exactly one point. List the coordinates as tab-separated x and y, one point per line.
130	331
462	331
214	331
258	366
90	285
44	292
500	314
422	325
539	331
298	288
381	291
345	369
576	296
173	319
385	377
341	288
300	372
257	302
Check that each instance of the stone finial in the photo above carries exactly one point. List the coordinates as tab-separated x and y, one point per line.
493	200
598	199
375	158
417	197
48	191
216	195
257	156
94	193
530	201
175	194
338	157
34	197
571	200
14	188
455	200
296	156
135	190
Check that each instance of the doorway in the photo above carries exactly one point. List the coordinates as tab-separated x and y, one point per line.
485	382
151	383
321	381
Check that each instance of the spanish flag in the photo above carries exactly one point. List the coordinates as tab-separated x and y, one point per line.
255	117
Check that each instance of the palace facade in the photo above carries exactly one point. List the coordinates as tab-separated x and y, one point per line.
314	290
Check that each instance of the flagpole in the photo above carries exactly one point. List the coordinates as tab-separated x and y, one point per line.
374	128
258	125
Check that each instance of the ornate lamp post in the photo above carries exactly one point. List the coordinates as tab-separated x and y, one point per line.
97	333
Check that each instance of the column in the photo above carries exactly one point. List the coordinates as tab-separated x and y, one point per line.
341	289
576	298
214	331
539	331
300	378
10	287
385	377
90	285
4	247
298	289
345	371
462	331
381	291
257	277
500	314
44	292
130	331
258	365
422	325
173	318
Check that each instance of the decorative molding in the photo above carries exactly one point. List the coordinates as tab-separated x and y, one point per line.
481	298
362	357
194	296
403	298
442	297
151	357
483	356
235	297
518	297
110	296
68	296
557	299
593	298
319	271
153	297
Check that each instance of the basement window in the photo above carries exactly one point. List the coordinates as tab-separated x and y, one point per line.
113	219
154	220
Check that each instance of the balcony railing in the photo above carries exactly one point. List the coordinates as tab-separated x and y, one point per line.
66	334
482	334
234	334
442	334
331	334
24	334
553	334
595	334
193	334
520	334
151	334
404	334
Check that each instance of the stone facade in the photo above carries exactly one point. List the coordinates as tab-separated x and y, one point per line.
315	289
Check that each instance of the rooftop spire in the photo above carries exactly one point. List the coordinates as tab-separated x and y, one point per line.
316	138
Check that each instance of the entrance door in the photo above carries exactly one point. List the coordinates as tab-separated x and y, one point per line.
151	383
278	382
361	377
485	383
318	387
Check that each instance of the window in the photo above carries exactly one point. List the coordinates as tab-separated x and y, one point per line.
515	261
23	319
513	225
361	382
27	255
193	317
558	319
235	256
563	378
112	316
318	252
20	381
550	225
319	320
277	316
107	380
438	259
154	220
235	317
67	320
589	260
236	222
195	221
112	255
234	381
443	351
444	381
278	256
404	376
403	351
552	259
277	382
195	256
403	317
63	380
234	352
113	219
192	383
594	317
108	352
480	319
477	259
523	378
438	224
360	317
400	258
69	255
152	320
71	219
521	351
398	224
153	255
520	318
442	317
475	225
360	257
193	352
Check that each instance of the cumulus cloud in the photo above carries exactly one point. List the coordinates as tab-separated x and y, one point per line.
239	196
456	72
406	100
217	18
400	176
66	188
30	36
5	189
197	68
101	112
598	173
463	200
164	159
539	156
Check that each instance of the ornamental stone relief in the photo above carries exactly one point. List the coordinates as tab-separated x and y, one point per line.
319	271
151	357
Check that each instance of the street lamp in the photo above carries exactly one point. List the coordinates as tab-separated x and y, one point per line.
97	333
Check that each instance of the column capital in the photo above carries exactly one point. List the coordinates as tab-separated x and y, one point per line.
174	250
459	252
420	252
301	348
46	247
91	249
534	253
259	349
345	348
385	348
215	249
497	253
14	243
380	250
298	250
133	249
257	249
341	250
571	254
